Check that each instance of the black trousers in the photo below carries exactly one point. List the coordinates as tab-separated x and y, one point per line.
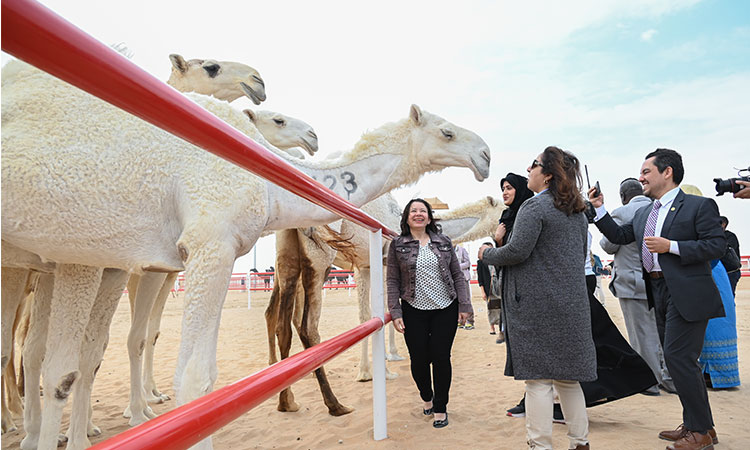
682	342
734	277
429	337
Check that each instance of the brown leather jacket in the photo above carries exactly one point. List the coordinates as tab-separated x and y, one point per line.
402	272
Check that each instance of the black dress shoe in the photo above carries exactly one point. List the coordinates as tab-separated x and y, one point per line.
441	423
427	412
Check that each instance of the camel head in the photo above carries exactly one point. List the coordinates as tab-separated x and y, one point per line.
283	131
476	220
442	144
224	80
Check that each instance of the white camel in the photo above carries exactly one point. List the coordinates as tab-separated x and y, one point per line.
164	205
285	133
225	81
303	261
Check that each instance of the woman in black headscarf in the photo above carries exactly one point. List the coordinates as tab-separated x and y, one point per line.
515	192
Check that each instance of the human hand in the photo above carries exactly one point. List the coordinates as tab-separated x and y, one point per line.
463	317
398	324
657	244
596	201
482	249
745	192
500	232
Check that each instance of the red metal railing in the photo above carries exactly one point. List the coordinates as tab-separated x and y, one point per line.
172	430
33	33
40	37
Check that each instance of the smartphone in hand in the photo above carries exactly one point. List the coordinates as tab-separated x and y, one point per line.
597	191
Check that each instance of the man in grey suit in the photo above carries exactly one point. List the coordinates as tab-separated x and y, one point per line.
679	235
628	286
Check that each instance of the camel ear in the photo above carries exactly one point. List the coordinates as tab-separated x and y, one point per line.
492	200
250	115
178	62
416	114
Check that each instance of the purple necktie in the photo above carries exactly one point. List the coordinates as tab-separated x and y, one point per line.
646	255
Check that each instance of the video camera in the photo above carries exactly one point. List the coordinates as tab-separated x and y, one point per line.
730	184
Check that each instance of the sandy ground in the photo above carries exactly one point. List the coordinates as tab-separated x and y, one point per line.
480	394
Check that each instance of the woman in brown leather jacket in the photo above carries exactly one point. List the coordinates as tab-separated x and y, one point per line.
423	271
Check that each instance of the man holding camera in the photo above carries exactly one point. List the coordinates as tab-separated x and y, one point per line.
678	235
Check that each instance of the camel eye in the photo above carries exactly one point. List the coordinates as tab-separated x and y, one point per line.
212	69
448	134
279	122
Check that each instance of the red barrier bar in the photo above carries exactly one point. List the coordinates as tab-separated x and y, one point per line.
40	37
189	424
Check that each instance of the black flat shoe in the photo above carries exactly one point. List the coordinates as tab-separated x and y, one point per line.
441	423
427	412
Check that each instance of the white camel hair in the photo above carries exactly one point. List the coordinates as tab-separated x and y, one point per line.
133	198
225	80
284	132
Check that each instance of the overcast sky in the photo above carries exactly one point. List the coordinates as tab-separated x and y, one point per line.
607	80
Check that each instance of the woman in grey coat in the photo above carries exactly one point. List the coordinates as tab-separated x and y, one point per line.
545	302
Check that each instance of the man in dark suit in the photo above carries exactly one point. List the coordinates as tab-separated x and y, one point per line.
679	235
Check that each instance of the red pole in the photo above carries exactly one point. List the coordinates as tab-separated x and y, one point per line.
40	37
189	424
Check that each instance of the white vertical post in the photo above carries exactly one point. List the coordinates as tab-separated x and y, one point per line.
247	286
379	414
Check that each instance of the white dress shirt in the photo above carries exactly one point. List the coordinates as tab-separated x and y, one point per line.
666	201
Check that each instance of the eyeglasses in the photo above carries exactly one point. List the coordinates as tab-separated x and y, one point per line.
535	163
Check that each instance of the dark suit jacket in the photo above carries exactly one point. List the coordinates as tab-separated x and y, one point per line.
694	223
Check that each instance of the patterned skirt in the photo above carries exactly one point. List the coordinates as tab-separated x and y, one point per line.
719	356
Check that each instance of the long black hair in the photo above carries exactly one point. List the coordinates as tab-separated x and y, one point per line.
523	193
405	229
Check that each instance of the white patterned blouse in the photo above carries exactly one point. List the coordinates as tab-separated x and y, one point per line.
430	289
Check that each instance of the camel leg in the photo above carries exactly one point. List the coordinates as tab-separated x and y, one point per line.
283	297
287	271
14	401
33	355
362	277
23	326
13	283
72	299
287	294
7	417
146	292
92	351
363	298
272	320
153	395
207	275
309	335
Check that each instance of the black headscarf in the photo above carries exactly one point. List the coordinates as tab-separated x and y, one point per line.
523	193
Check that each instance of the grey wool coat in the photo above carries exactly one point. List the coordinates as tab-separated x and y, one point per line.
546	305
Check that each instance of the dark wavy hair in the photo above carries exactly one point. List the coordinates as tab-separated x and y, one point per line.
406	230
664	158
566	181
